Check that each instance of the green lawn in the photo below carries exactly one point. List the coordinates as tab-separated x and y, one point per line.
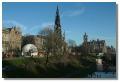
62	66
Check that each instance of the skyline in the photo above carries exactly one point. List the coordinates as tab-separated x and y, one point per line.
75	19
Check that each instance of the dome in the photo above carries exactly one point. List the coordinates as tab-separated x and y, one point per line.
29	50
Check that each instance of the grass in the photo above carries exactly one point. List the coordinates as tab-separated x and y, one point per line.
64	66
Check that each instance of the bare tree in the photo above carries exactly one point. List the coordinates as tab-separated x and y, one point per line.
48	42
53	44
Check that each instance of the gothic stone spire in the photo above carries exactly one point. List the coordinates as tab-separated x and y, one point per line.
57	19
57	27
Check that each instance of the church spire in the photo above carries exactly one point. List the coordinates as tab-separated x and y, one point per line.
57	27
57	19
57	11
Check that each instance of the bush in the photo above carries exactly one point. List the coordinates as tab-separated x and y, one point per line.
64	66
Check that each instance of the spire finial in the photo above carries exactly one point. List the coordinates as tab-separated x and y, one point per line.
57	7
57	11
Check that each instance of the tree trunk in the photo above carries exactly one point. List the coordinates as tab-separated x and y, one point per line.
47	59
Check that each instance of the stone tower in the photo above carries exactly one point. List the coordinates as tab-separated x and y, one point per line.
57	27
85	42
85	38
58	34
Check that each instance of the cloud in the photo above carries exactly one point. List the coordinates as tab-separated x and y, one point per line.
75	12
37	28
11	23
45	24
25	30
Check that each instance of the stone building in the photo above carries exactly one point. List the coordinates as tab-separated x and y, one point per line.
94	46
11	40
37	40
111	50
111	53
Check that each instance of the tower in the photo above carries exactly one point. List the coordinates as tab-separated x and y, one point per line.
85	38
85	43
58	34
57	27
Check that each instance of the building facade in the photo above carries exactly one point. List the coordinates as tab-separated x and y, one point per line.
11	40
94	46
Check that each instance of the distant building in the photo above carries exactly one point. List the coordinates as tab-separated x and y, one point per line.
111	53
94	46
111	50
37	40
11	40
